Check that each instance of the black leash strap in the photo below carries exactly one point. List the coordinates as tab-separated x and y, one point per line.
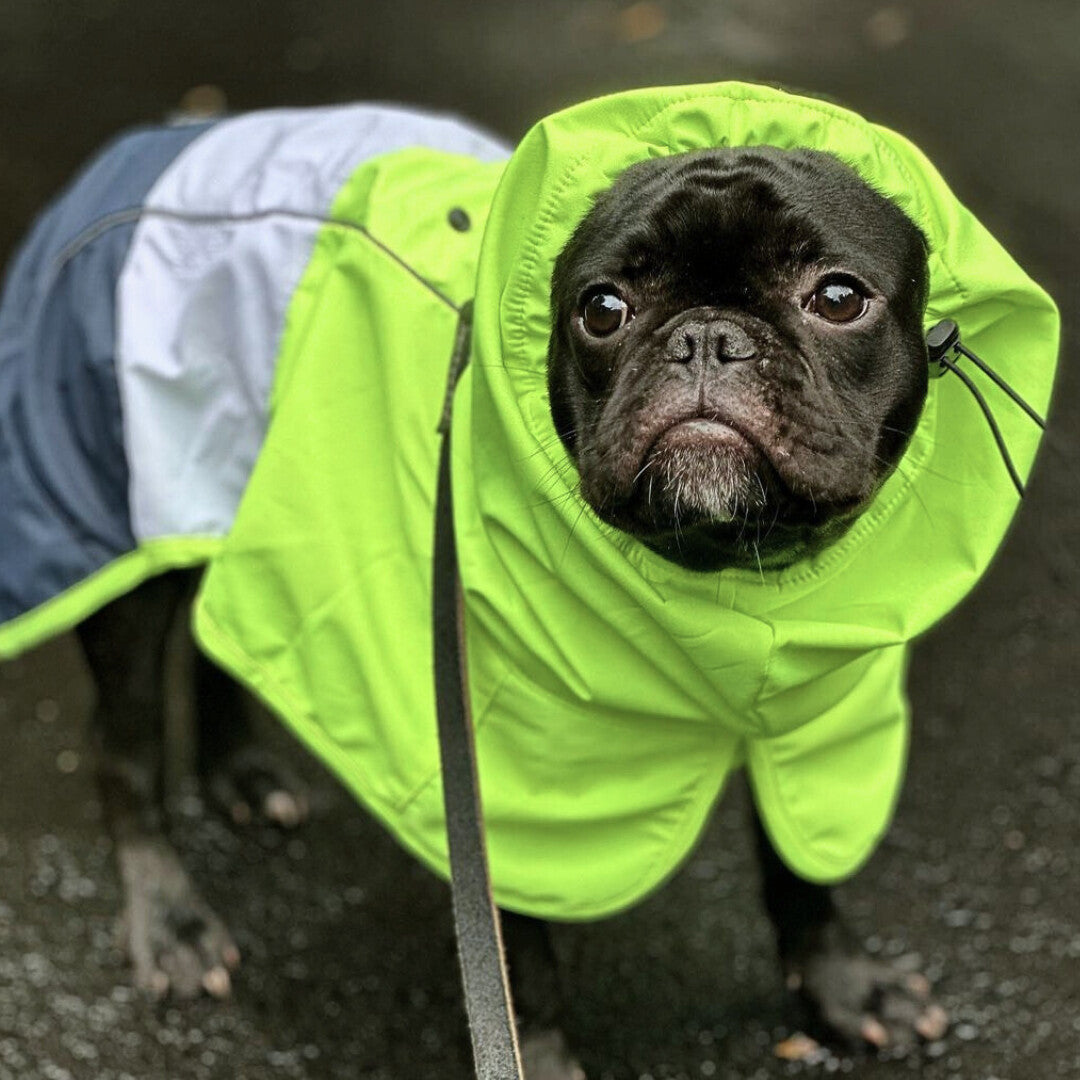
476	918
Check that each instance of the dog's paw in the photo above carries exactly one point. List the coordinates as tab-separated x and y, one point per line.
865	1000
175	942
251	783
545	1056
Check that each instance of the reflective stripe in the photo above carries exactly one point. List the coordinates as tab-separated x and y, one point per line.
204	296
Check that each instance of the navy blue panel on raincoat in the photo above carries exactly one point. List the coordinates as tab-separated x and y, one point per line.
63	472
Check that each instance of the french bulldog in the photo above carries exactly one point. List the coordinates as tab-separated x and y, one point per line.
737	359
736	365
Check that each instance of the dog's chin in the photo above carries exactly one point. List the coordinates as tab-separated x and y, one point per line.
702	469
708	498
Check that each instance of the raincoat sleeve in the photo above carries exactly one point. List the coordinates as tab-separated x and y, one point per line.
826	783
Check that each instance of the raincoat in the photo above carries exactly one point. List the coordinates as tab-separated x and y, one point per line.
613	692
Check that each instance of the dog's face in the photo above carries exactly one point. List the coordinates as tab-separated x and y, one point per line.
737	362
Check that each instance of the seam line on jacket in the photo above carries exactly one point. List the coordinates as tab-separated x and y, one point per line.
135	214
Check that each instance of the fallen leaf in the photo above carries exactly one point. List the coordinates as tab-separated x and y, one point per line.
797	1048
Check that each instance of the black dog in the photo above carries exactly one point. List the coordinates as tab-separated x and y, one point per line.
736	365
174	940
737	360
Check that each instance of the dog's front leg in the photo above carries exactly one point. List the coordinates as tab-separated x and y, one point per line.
534	980
174	940
851	993
244	779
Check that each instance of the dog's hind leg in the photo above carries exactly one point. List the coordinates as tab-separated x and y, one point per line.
242	778
534	981
849	992
175	942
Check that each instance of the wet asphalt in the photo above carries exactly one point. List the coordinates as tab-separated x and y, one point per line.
348	954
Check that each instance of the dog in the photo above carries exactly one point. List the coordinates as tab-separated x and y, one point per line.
736	365
735	368
730	398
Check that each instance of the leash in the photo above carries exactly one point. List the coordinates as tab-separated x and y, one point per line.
488	1001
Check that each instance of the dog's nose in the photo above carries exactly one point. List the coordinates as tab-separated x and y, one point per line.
710	339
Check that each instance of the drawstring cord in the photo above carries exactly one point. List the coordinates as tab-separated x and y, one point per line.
945	348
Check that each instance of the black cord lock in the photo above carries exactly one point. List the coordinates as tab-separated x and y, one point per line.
941	339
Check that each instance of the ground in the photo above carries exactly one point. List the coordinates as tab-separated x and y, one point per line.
349	968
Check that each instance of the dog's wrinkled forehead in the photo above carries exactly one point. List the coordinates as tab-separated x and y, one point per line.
723	220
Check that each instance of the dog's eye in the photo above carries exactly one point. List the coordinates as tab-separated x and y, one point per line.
604	312
838	300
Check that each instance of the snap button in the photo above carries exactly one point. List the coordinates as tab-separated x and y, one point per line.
459	219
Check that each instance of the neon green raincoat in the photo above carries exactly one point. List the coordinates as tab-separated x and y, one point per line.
613	692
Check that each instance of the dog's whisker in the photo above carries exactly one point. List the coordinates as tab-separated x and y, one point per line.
543	446
570	534
761	488
914	488
568	496
557	470
772	524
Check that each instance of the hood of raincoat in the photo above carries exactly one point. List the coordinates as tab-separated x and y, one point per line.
613	691
934	528
805	664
